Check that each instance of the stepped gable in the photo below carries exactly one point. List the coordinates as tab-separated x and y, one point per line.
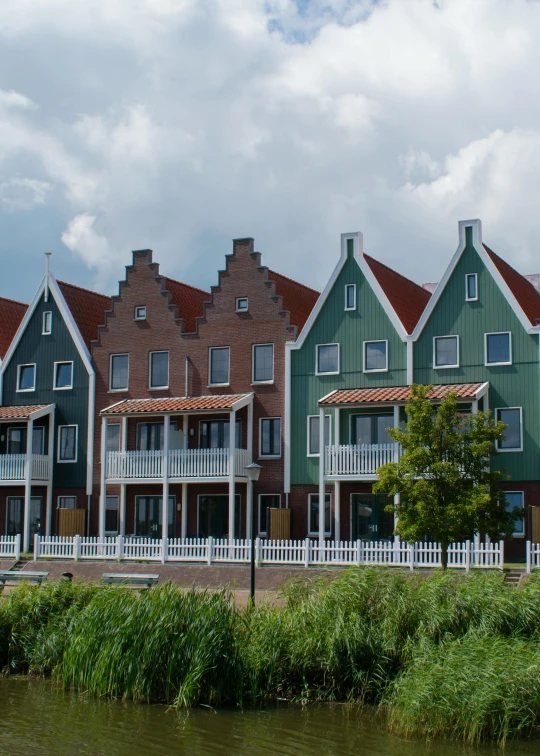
527	296
11	314
87	307
298	300
408	299
189	301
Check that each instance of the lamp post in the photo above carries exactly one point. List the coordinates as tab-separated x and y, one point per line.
253	471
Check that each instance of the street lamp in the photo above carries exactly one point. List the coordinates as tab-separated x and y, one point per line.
253	471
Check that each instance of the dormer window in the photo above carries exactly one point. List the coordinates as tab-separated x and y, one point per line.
140	313
242	304
471	287
47	324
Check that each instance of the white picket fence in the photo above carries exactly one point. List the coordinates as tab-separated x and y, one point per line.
10	546
14	466
183	463
305	553
532	556
357	459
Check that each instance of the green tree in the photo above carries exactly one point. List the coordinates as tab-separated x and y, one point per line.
444	479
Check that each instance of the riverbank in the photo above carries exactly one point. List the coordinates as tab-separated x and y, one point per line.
440	656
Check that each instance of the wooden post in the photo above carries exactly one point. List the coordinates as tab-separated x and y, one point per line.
321	477
232	451
528	556
337	510
122	508
50	454
103	489
165	472
27	486
185	429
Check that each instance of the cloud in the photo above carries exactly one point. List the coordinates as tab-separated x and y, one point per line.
22	193
91	247
12	99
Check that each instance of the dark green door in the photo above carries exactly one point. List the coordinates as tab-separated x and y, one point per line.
214	516
369	519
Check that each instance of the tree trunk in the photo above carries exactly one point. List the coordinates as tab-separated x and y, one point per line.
444	554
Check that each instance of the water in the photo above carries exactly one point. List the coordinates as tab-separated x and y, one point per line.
38	718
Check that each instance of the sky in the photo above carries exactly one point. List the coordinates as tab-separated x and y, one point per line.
178	125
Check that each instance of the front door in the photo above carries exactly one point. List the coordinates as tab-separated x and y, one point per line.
369	519
15	516
148	516
214	516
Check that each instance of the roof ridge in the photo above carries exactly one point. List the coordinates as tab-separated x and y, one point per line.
82	288
292	280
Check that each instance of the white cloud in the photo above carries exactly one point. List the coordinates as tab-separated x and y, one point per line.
12	99
93	248
22	193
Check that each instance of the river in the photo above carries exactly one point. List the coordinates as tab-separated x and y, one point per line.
37	717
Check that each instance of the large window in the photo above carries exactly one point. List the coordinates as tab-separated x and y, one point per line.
214	434
119	372
513	434
446	351
371	429
327	359
313	433
67	443
63	375
151	436
515	499
111	514
219	366
16	440
270	437
263	363
471	287
350	296
498	348
314	514
375	356
149	516
266	502
26	377
159	370
113	437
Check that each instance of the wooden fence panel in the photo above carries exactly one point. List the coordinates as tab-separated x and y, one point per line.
279	524
71	522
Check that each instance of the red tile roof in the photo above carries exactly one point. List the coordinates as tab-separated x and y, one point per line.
173	404
11	314
87	307
298	299
20	413
189	300
525	293
399	394
408	299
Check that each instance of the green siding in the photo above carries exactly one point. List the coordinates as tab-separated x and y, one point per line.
71	405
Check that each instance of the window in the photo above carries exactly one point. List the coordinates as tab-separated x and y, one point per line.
67	443
242	304
26	377
263	363
140	313
266	502
214	434
151	436
327	359
119	372
498	348
515	499
350	296
375	356
47	323
513	435
67	502
313	433
111	514
149	513
471	287
446	351
314	514
219	366
16	440
159	370
371	429
113	437
270	437
63	375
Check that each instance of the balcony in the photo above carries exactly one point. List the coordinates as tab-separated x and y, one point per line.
354	461
184	464
13	467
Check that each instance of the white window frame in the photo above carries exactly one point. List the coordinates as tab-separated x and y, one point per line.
333	372
327	533
264	532
505	450
44	332
374	370
113	496
242	309
60	498
519	535
26	364
308	433
467	297
347	287
253	381
119	426
269	456
165	386
118	354
497	333
135	313
55	368
210	350
445	336
67	461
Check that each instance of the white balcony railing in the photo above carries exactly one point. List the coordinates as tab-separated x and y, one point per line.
13	466
357	459
183	463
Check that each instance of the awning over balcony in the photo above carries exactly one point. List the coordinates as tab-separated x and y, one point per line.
25	412
400	394
182	404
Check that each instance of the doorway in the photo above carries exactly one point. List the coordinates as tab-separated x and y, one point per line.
148	516
213	516
369	519
15	516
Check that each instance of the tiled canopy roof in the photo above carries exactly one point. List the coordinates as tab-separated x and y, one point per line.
525	293
174	404
399	394
298	299
11	314
20	413
189	300
87	307
408	299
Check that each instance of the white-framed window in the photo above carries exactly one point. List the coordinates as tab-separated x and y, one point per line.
263	363
67	443
313	433
512	440
350	296
445	352
111	514
327	359
140	312
113	437
159	370
26	377
516	499
63	376
471	287
242	304
47	323
270	437
17	440
266	502
376	356
498	348
313	514
219	363
119	372
67	502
